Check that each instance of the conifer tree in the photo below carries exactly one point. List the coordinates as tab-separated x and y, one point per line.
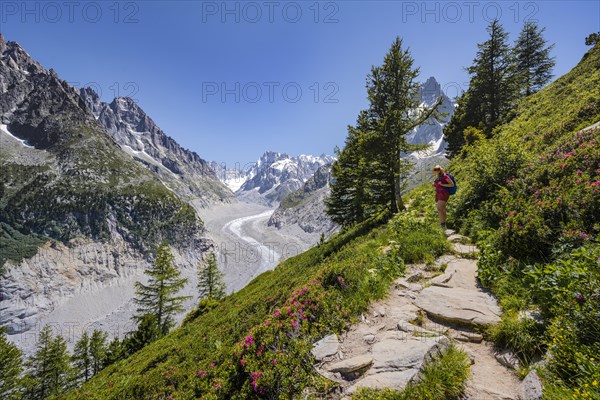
114	352
467	114
98	349
492	92
345	205
147	332
210	279
394	110
492	72
592	39
50	372
369	174
81	357
11	366
532	59
159	297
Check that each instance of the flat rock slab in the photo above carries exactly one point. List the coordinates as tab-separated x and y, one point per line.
405	312
351	364
461	273
395	380
485	393
410	353
456	236
468	307
325	347
465	248
471	337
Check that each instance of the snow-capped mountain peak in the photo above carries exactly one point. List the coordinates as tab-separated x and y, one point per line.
273	176
431	131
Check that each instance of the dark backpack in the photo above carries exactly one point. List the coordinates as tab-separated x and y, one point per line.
452	190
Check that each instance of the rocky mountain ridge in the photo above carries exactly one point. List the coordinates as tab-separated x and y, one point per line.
181	170
431	131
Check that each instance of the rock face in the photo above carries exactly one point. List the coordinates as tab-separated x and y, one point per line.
431	132
40	285
180	169
275	175
77	213
306	206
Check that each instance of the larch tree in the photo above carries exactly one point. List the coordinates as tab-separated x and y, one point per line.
210	279
82	360
159	297
50	373
98	350
370	173
11	366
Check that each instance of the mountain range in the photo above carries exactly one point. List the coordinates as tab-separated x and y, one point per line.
305	207
87	191
272	177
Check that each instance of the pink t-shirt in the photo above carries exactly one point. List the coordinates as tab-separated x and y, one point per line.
444	179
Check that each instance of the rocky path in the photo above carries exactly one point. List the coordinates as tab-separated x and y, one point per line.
427	309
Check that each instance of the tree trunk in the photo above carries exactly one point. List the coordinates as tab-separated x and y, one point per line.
398	196
398	205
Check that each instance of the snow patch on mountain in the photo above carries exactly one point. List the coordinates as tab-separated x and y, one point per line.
23	142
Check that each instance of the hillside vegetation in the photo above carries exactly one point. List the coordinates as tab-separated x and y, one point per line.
530	196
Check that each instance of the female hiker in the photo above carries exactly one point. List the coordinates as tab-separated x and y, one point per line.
442	183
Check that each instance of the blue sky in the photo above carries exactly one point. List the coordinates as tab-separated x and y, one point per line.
230	80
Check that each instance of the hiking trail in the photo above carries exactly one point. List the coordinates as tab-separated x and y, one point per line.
426	310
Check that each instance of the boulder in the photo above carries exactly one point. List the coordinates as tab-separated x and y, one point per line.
508	359
369	338
531	387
